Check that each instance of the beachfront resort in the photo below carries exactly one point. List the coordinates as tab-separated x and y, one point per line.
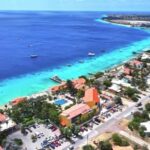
71	114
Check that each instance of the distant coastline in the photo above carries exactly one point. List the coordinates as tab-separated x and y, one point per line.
129	20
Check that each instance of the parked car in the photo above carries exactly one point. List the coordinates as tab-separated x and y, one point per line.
139	104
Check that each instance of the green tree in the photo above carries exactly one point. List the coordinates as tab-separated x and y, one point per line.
105	145
118	100
70	87
80	94
107	83
147	107
117	139
88	147
130	91
18	142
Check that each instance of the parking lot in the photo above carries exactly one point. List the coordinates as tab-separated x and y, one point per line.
47	136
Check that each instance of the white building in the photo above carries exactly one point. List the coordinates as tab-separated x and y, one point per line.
147	126
6	123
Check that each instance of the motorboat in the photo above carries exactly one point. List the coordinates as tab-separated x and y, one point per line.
33	56
91	54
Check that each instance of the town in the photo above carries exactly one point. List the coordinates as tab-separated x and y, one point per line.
107	110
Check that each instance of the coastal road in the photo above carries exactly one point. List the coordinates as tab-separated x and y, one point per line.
111	124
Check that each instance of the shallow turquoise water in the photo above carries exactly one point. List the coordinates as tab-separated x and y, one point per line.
33	83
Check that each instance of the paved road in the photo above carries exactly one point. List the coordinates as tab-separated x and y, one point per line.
110	124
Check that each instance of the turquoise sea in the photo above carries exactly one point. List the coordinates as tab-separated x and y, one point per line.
29	83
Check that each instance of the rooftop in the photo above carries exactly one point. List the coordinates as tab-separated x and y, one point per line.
91	95
146	125
136	62
115	88
78	84
2	117
18	100
76	110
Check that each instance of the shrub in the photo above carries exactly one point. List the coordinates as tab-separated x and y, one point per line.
88	147
105	145
147	107
18	141
117	139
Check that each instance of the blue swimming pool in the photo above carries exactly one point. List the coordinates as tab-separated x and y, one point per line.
60	102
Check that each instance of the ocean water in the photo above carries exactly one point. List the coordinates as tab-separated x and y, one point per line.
59	38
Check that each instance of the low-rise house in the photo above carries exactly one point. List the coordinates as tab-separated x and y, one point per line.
122	82
91	97
145	56
146	125
17	101
6	123
71	115
78	84
136	63
127	71
115	88
128	78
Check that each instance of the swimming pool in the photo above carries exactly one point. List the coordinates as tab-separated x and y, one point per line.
60	102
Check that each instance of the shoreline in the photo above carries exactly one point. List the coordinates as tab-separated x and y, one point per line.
38	82
110	69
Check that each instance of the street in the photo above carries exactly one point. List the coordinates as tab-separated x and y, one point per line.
111	124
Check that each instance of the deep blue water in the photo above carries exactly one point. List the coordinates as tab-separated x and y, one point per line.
59	38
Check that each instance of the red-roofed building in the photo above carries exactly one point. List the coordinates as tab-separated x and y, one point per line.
70	115
1	148
78	84
6	123
2	118
91	97
127	71
138	64
57	88
18	100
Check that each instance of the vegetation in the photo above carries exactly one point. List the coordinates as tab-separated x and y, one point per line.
107	83
105	145
86	117
118	100
130	92
139	117
147	107
88	147
70	88
18	142
67	132
80	94
27	112
119	140
3	137
99	74
34	138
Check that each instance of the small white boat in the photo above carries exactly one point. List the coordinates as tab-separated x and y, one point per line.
91	54
33	56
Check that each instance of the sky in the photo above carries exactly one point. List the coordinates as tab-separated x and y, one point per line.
82	5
